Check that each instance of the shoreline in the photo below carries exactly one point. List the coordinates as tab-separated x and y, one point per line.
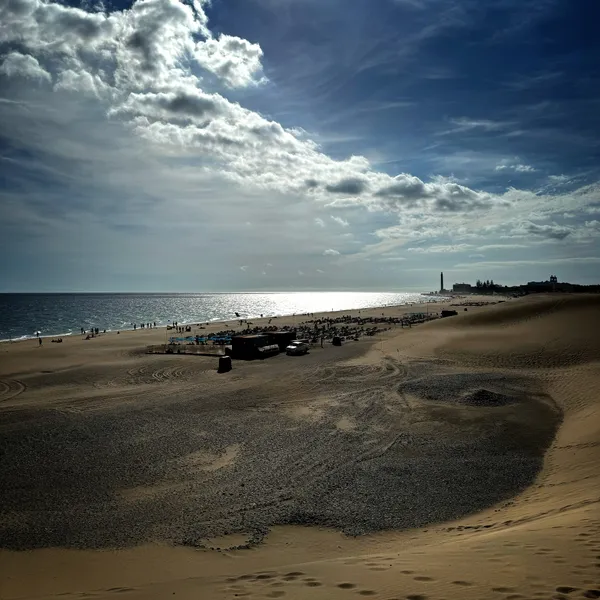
426	301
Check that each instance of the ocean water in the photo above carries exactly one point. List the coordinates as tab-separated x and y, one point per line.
22	315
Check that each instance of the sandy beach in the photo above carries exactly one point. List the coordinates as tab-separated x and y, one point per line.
455	459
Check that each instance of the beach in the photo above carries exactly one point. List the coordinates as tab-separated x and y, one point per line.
456	458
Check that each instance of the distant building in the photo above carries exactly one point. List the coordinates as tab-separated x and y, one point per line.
550	284
462	287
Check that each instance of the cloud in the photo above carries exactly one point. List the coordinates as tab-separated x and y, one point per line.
331	252
444	196
23	65
533	262
550	231
140	64
80	82
465	124
449	249
236	61
340	221
511	165
244	268
502	246
189	105
319	222
350	186
476	255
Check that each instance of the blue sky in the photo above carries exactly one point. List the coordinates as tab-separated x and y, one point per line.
297	144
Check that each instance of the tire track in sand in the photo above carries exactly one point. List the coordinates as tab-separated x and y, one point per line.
11	388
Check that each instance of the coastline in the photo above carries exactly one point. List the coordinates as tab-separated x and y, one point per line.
426	298
284	316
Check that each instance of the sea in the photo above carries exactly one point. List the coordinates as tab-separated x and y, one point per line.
22	316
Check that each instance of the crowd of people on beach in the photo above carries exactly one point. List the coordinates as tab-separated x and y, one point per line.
148	325
326	328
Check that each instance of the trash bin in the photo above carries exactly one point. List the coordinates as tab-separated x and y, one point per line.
224	364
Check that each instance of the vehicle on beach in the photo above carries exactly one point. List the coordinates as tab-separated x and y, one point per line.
297	347
268	350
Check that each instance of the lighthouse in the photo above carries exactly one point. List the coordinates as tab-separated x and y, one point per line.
442	282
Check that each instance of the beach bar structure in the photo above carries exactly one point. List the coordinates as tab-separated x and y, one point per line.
252	346
281	338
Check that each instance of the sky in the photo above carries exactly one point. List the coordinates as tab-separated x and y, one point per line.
239	145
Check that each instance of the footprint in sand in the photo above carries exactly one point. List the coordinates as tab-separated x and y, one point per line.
346	586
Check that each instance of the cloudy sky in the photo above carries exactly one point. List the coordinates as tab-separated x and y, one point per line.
297	144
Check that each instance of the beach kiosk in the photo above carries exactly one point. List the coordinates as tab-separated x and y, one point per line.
248	347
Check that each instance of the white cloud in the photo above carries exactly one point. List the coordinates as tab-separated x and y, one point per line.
23	65
559	178
80	82
244	268
502	246
440	249
515	166
234	60
463	124
340	221
550	231
331	252
319	222
140	62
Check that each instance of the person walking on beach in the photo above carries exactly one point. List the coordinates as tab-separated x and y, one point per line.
39	340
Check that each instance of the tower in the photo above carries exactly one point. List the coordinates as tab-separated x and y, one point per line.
441	282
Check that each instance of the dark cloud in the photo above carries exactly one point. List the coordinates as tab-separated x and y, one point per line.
553	231
351	186
182	104
408	191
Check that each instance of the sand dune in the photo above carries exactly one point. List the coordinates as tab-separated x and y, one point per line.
533	364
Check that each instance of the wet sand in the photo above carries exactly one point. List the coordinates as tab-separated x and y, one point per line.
462	453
